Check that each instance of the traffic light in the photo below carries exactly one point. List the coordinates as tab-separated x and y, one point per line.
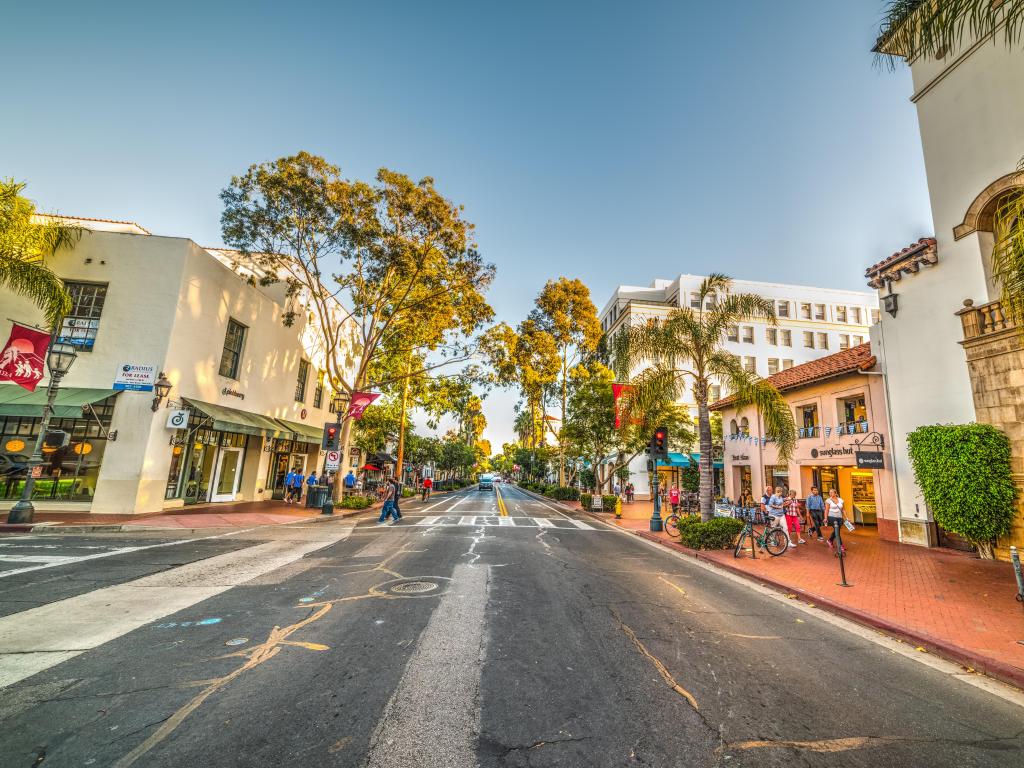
658	447
331	437
56	439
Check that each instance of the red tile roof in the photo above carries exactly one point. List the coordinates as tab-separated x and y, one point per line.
909	253
857	358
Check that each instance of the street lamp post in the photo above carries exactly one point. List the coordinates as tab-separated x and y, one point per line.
59	358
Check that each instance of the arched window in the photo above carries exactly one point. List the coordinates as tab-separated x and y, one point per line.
744	426
733	427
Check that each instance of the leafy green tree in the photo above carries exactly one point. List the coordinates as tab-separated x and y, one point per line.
25	243
564	311
913	29
687	349
377	268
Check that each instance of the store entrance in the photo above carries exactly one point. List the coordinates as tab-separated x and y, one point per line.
199	473
283	463
225	484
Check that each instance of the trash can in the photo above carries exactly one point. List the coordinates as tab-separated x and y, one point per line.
317	495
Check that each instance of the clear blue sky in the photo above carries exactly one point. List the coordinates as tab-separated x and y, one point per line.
610	141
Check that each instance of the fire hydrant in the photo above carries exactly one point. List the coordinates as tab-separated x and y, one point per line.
618	508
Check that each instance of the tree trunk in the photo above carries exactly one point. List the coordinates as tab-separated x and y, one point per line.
561	448
985	549
706	474
346	457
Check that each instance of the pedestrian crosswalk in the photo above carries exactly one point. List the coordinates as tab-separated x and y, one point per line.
497	521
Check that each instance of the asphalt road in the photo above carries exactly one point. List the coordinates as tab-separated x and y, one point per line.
475	632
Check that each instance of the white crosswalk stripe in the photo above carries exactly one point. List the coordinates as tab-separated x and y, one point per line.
495	521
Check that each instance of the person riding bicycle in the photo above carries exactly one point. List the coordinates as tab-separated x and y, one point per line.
777	509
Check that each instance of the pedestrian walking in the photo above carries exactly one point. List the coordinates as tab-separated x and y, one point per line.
397	485
428	484
311	480
617	489
630	492
386	511
295	486
777	511
673	498
835	511
792	508
815	506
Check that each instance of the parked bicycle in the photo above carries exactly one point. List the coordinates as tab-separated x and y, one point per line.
770	538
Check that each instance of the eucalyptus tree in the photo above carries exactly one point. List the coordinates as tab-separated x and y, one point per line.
687	350
25	243
914	29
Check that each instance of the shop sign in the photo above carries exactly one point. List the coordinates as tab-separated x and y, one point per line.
333	461
596	502
870	460
135	378
178	418
830	452
740	457
229	392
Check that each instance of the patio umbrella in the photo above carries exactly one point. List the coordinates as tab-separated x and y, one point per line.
370	467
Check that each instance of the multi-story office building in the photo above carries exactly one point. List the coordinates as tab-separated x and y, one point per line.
253	388
812	323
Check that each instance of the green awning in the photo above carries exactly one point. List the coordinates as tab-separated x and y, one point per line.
233	420
303	432
16	401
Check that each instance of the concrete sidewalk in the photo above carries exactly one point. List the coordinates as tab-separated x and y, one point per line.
947	602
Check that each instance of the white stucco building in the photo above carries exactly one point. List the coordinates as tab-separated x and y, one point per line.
253	387
971	117
812	323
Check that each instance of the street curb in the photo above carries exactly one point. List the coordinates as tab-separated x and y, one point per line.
986	665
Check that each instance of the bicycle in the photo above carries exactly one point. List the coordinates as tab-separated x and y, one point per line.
771	537
671	525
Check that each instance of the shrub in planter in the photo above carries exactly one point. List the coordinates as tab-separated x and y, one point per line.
717	533
585	500
563	494
964	473
355	502
608	501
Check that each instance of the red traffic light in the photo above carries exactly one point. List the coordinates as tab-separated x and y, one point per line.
659	435
331	431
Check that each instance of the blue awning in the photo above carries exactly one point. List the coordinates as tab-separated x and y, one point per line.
675	460
695	458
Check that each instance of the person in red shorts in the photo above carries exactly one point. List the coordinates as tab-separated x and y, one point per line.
793	518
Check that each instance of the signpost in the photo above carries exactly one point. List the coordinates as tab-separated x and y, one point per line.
135	378
332	461
596	502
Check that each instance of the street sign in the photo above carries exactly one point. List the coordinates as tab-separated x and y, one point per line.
332	461
177	419
870	460
596	502
37	471
135	378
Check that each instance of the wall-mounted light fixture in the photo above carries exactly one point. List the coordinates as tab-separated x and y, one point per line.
890	302
162	389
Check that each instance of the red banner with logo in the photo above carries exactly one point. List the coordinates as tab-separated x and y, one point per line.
23	359
617	390
359	403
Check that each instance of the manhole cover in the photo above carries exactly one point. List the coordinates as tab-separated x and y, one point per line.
414	587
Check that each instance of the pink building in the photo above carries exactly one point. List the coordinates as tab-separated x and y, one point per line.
843	441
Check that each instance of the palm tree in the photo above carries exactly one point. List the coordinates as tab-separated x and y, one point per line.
688	348
914	29
24	244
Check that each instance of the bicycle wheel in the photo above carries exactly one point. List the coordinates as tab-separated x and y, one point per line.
739	543
775	541
672	525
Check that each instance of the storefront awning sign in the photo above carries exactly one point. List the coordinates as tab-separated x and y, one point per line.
233	420
15	401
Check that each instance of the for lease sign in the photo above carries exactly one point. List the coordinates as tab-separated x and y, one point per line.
135	378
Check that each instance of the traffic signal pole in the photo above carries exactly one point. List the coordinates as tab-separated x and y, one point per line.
658	449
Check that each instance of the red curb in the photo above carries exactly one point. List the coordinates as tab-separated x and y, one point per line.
987	665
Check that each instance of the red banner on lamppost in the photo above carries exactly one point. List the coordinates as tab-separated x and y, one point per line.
23	359
359	403
617	390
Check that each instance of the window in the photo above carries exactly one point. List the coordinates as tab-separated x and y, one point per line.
772	336
773	366
80	326
748	334
787	337
231	357
733	333
807	421
853	415
822	341
809	339
819	311
840	314
855	315
875	317
782	308
844	341
750	364
710	301
805	310
714	393
734	428
318	393
694	301
300	384
787	364
857	340
744	426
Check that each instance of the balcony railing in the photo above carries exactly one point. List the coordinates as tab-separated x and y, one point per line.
853	427
984	320
805	432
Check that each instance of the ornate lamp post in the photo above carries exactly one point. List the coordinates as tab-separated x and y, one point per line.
59	359
162	389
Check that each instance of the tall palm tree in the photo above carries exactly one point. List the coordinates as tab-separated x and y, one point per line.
688	348
913	29
24	244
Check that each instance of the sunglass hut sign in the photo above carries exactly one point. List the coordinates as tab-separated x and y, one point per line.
827	453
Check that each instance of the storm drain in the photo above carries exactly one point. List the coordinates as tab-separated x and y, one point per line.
413	587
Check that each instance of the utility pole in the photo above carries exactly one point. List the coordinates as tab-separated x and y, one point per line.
400	457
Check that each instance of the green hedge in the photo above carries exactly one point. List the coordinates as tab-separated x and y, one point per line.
964	474
355	502
563	494
717	533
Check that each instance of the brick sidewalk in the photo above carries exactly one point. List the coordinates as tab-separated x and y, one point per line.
949	602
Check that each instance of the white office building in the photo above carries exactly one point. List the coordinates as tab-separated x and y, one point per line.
812	323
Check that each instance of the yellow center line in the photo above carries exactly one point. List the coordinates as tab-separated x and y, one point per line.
501	502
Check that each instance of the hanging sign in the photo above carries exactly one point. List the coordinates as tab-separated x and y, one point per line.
359	403
870	460
22	358
178	418
135	378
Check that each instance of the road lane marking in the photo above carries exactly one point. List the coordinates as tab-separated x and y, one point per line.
506	521
37	558
542	522
429	520
468	520
501	502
